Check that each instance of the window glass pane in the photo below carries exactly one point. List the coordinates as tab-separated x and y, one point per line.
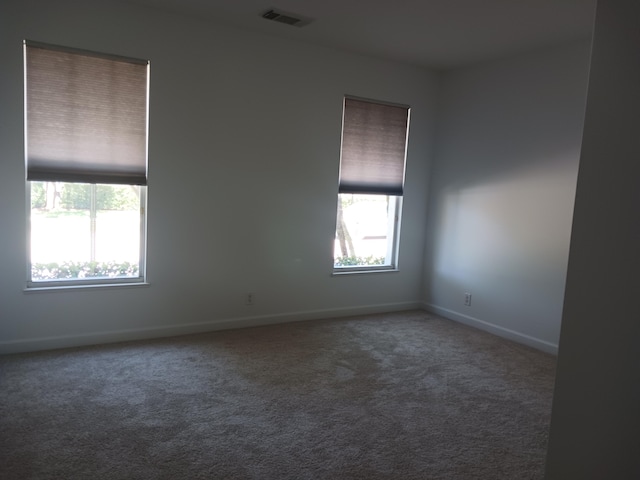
118	223
365	230
59	233
82	231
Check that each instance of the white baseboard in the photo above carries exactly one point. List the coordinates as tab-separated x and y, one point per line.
94	338
492	328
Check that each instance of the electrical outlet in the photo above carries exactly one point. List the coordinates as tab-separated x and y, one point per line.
467	299
250	299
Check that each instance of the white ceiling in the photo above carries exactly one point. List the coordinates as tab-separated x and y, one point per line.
432	33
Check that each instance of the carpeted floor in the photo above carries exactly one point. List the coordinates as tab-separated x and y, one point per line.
405	395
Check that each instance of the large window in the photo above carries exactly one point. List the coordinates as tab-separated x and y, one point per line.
372	165
86	166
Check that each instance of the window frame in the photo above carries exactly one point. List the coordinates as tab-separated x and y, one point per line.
394	245
141	278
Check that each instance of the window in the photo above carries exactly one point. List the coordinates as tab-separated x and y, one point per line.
372	165
86	166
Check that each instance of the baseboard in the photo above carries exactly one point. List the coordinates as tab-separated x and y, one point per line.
95	338
492	328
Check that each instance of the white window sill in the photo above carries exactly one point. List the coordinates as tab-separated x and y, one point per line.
348	271
65	288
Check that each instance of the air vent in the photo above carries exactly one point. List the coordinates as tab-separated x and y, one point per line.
287	18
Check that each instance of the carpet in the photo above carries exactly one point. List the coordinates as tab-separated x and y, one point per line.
405	395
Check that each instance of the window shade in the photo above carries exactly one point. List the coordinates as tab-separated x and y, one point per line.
374	140
86	116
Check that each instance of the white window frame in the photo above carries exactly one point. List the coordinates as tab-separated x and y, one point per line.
393	227
141	278
393	232
93	281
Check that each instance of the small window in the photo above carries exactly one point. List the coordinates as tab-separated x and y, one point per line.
86	166
372	166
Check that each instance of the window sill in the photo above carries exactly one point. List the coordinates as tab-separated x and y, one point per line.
347	271
65	288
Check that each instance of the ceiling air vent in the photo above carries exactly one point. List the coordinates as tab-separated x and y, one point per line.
286	17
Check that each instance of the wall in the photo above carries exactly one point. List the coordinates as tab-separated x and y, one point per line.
244	156
502	192
596	420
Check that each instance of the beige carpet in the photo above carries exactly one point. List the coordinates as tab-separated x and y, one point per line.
404	395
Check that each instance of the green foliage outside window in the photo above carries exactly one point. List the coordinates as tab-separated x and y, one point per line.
357	261
38	195
77	196
72	270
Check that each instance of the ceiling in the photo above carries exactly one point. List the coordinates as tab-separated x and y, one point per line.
432	33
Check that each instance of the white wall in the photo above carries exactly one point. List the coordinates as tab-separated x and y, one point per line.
596	416
244	153
502	192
